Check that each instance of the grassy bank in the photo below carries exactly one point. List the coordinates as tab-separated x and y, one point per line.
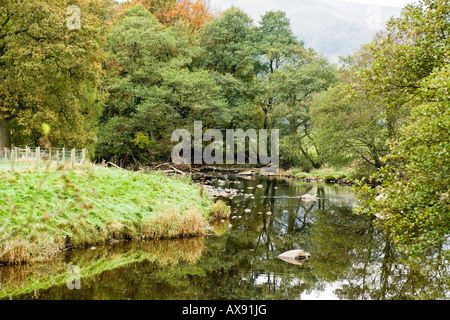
44	212
334	175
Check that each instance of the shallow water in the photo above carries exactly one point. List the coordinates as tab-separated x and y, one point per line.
349	258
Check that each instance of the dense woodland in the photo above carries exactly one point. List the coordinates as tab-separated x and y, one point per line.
135	72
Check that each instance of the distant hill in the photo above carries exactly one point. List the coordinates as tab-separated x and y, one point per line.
337	28
334	28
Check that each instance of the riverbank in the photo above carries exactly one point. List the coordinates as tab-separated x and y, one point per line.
330	175
344	176
44	212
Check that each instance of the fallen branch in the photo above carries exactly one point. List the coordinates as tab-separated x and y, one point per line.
116	166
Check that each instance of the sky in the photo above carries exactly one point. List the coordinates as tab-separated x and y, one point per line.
393	3
224	4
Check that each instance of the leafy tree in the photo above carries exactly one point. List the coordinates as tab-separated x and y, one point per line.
49	73
194	13
413	46
350	126
295	86
277	41
412	202
277	46
230	52
154	88
229	45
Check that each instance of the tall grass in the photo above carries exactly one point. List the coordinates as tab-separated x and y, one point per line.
220	210
43	212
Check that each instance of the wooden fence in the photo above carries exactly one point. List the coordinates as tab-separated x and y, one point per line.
27	157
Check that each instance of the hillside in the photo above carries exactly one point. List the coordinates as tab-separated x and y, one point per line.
334	28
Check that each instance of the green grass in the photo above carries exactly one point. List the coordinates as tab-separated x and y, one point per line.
326	174
44	211
220	210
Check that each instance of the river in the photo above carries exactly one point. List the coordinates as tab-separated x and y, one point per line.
349	258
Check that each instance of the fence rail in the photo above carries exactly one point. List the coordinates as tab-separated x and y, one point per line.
28	157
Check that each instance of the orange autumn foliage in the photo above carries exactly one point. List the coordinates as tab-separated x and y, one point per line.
195	13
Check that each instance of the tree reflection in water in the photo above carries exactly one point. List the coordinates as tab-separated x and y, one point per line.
350	259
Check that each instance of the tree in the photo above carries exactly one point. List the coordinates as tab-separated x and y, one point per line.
413	46
277	46
154	88
351	126
294	86
194	13
231	54
277	41
412	202
47	70
229	45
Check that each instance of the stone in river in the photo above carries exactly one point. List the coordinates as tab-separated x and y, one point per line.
294	255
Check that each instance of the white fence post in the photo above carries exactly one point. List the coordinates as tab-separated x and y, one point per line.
72	156
38	151
15	158
12	159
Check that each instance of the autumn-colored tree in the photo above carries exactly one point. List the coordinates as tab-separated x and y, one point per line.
195	13
50	69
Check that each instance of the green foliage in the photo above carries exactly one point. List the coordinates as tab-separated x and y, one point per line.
413	46
349	128
154	88
230	74
412	202
294	87
229	43
277	42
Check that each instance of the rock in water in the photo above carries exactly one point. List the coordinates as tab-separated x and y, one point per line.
294	255
308	197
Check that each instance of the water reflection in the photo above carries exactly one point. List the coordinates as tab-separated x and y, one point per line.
350	259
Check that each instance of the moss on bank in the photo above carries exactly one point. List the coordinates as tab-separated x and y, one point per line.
43	212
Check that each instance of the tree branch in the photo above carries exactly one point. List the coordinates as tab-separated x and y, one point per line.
7	34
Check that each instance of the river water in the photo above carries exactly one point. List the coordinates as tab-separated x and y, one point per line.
349	258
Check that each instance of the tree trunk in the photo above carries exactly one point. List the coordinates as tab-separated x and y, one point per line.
292	126
5	141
